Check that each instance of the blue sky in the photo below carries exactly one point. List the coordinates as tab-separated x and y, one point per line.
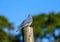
17	10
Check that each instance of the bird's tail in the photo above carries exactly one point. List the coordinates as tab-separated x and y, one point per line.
19	29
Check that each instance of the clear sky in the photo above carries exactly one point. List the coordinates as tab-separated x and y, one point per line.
17	10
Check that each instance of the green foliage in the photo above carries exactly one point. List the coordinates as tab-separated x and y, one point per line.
50	21
14	39
3	36
4	23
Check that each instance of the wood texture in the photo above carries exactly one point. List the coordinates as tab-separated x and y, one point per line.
28	34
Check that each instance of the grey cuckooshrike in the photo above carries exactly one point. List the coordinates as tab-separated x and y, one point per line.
26	23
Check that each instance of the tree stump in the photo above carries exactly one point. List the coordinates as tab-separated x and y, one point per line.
27	33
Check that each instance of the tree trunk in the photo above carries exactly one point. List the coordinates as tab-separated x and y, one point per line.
27	33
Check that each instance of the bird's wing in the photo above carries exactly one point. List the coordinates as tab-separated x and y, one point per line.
26	22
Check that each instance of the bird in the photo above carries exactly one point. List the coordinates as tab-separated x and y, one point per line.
26	23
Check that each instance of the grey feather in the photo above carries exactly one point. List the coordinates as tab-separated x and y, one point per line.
26	22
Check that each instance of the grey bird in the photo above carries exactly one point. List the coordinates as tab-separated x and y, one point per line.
26	23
